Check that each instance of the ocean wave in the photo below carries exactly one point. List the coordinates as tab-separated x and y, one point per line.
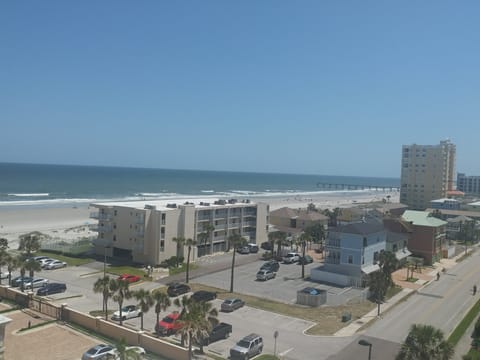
241	194
30	195
207	191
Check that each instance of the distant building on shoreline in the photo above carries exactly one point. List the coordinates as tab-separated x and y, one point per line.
468	184
143	231
428	173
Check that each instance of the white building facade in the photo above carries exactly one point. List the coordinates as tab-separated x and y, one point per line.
428	173
143	231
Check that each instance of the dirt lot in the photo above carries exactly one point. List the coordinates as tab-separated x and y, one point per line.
51	341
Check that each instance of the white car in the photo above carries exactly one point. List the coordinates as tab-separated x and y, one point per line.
114	355
291	258
35	283
55	264
128	312
45	261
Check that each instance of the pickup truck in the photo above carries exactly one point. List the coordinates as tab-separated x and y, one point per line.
169	324
221	331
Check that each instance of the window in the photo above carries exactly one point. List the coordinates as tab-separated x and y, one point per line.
365	242
350	259
162	245
114	237
115	212
375	257
162	233
395	248
163	219
114	225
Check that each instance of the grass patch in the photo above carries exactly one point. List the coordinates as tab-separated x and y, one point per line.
70	260
182	268
412	279
328	318
464	324
101	313
473	354
267	357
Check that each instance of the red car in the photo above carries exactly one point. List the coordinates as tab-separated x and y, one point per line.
169	324
129	278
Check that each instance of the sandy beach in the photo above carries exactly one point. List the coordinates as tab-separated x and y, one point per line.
71	223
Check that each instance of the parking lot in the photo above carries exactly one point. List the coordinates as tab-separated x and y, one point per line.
283	288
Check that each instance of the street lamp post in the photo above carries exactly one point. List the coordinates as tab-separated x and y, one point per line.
366	343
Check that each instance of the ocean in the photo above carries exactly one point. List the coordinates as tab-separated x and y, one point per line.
56	185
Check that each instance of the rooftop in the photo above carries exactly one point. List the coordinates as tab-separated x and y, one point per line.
422	218
170	204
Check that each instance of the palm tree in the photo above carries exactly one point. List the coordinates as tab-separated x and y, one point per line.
31	266
424	342
378	286
12	264
388	263
189	242
332	215
303	240
30	242
145	302
162	302
120	292
180	242
280	239
205	235
237	241
3	261
102	285
197	320
124	353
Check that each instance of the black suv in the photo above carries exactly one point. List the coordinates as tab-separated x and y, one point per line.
52	288
203	295
176	289
272	265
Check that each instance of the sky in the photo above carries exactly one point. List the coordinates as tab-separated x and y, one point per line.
306	87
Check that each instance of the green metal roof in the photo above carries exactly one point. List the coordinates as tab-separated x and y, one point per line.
422	218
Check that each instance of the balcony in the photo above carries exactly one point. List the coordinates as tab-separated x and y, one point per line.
332	244
140	219
100	216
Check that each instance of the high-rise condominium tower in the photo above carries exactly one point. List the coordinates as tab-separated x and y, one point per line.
428	173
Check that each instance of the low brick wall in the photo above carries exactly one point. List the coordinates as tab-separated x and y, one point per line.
102	327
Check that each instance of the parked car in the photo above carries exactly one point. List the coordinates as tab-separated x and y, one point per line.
221	331
35	283
52	288
271	265
128	312
96	352
291	257
129	278
266	275
305	260
253	248
18	281
55	264
115	355
229	305
248	347
203	295
39	258
243	250
176	289
46	261
169	324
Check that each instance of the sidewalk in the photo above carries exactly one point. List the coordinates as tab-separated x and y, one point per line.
423	278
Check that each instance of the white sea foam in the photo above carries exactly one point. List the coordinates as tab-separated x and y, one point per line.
30	195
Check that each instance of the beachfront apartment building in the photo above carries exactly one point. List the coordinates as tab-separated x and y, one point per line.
351	253
143	231
428	173
468	184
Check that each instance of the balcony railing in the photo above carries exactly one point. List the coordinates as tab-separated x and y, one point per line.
99	216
